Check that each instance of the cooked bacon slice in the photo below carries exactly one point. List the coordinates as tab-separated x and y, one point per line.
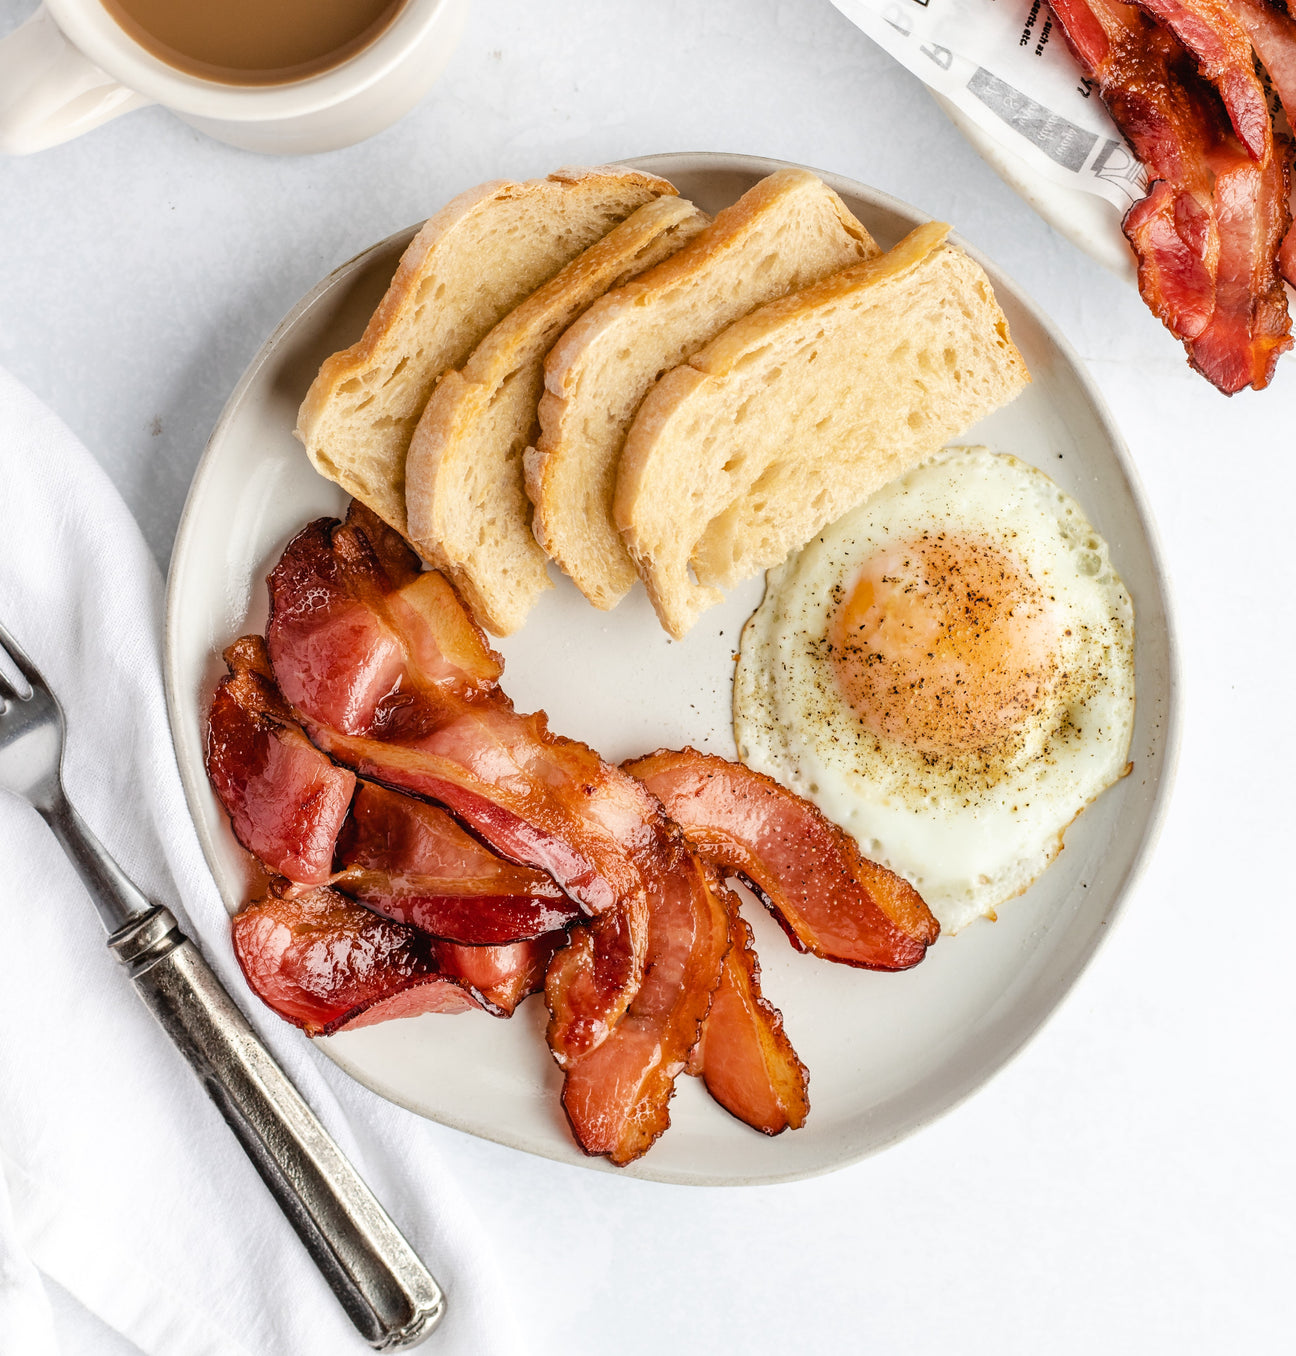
1250	327
1176	240
327	964
1219	43
616	1095
592	980
744	1055
500	977
1273	35
830	899
357	633
1236	325
1139	68
411	861
285	799
1214	215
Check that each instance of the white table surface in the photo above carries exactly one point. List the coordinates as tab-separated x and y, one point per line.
1126	1184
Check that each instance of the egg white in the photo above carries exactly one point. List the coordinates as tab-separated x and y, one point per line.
973	829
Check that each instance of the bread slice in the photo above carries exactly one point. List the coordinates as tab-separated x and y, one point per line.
801	410
788	230
469	265
468	510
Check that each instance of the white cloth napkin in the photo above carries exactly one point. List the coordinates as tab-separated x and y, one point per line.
118	1178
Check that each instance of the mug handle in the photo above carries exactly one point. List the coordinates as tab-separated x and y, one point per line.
49	92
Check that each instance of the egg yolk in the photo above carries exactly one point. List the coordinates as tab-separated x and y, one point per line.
944	644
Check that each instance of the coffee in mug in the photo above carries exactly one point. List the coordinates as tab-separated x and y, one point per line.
253	42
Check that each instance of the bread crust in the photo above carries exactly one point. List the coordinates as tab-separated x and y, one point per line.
773	454
468	511
388	367
649	326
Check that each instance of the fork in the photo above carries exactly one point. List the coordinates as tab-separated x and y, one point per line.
386	1291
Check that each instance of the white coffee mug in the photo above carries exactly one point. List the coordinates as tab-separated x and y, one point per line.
70	67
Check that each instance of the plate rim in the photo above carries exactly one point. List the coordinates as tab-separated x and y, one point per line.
667	164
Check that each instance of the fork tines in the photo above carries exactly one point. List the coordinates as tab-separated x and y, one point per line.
13	660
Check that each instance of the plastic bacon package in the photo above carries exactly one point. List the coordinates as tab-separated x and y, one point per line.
1172	112
1005	66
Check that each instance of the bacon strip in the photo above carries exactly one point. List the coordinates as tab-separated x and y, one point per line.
441	728
1250	327
409	860
605	968
1161	116
616	1095
288	803
364	642
285	799
744	1056
591	982
1210	228
1220	45
1273	35
537	799
500	977
828	897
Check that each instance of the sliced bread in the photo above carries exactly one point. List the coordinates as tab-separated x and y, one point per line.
787	231
802	409
467	508
467	267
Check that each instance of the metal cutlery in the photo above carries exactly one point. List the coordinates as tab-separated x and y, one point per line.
385	1289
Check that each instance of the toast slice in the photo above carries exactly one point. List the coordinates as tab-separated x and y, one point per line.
802	409
467	507
787	231
467	267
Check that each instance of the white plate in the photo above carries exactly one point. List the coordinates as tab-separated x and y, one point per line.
886	1053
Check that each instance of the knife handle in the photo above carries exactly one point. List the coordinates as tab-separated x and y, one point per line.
387	1292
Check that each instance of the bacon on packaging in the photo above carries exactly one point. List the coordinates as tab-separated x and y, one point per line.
1210	31
1208	234
1250	327
828	897
1273	36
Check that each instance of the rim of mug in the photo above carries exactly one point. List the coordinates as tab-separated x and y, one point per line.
90	28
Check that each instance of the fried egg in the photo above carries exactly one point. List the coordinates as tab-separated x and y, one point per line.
948	673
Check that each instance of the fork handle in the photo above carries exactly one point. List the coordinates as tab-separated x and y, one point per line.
388	1293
